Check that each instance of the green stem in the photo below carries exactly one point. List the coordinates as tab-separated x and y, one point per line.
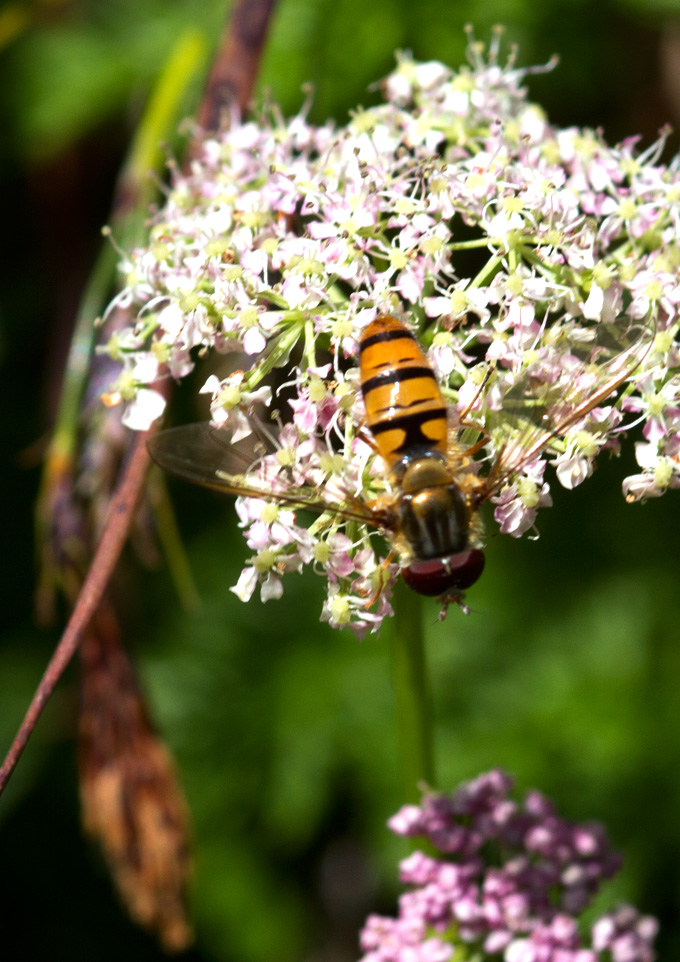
283	344
171	543
413	703
136	189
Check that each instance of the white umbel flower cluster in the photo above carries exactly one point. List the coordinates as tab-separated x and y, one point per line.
519	253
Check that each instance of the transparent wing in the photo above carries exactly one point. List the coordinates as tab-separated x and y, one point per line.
206	455
561	385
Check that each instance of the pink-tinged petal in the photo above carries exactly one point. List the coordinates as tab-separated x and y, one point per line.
272	588
254	341
171	320
246	584
305	414
514	518
407	821
145	369
146	408
573	471
211	386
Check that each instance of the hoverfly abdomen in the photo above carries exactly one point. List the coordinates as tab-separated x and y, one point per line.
405	409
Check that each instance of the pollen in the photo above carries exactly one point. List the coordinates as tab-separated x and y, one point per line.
331	463
127	385
528	493
586	443
459	303
111	399
513	204
603	276
404	206
189	302
160	351
317	390
515	284
161	251
232	272
398	259
654	290
270	513
663	342
663	473
340	610
431	245
627	209
657	403
264	561
248	318
342	328
311	267
229	397
322	552
217	246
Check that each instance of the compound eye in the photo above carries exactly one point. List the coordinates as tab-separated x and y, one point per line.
436	577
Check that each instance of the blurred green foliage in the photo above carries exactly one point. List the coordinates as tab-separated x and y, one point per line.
565	673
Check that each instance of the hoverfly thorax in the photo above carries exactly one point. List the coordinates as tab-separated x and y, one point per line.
432	511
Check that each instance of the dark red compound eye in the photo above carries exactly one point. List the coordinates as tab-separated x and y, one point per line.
440	575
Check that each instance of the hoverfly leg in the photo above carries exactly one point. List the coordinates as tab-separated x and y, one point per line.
484	440
364	434
466	410
462	423
384	564
452	598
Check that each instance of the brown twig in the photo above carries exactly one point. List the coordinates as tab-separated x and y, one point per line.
232	78
103	564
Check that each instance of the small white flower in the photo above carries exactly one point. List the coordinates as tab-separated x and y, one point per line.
246	584
146	408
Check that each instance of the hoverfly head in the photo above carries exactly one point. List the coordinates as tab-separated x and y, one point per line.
445	577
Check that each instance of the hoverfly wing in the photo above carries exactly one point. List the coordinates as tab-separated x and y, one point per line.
557	391
206	455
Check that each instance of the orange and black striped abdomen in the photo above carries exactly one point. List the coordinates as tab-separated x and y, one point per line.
404	406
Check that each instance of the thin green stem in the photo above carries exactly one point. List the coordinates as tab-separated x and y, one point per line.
281	348
413	704
135	191
171	543
136	188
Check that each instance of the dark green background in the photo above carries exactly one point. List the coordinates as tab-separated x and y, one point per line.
566	672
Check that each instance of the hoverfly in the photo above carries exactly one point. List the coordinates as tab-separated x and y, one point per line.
435	488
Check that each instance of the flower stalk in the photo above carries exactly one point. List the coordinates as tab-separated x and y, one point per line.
412	693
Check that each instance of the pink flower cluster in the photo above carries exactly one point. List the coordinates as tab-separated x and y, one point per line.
508	883
524	255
